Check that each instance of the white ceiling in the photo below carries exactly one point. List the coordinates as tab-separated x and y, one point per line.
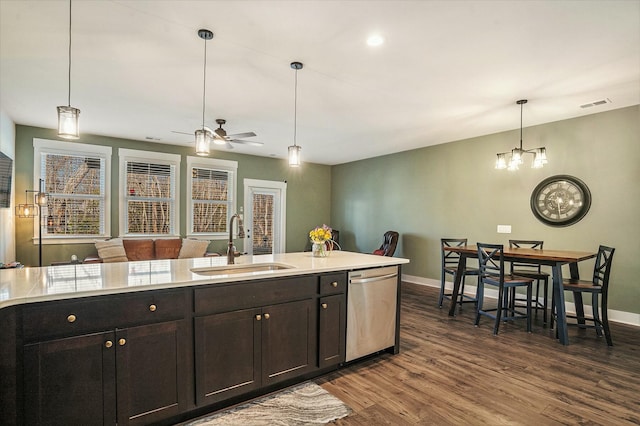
448	70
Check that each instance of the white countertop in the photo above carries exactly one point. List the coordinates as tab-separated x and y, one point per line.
26	285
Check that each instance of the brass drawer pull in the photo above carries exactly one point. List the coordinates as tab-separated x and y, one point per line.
334	284
324	306
153	308
108	344
71	318
122	342
258	317
266	316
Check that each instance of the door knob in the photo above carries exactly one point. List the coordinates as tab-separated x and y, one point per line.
266	316
324	306
258	317
122	342
71	318
108	344
153	308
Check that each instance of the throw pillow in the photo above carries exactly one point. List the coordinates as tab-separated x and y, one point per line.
111	250
168	249
193	248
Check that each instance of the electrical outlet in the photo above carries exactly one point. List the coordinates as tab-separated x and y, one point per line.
504	229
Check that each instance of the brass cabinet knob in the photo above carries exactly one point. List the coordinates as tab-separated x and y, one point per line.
153	308
71	318
122	342
334	284
108	344
324	306
258	317
266	316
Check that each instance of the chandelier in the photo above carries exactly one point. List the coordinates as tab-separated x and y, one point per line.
512	160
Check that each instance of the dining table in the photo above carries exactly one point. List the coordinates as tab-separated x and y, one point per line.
553	258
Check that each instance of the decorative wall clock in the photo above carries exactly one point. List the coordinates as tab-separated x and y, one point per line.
560	200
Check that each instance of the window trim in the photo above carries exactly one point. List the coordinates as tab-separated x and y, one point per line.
50	146
213	164
125	155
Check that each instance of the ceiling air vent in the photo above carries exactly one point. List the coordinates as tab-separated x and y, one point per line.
596	103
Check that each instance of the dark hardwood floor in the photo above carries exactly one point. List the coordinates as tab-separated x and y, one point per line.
450	372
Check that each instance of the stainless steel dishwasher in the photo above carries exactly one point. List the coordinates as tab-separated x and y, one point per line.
372	300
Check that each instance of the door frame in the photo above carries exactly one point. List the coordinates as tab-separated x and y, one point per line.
280	217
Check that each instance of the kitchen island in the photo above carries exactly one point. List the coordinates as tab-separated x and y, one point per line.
165	340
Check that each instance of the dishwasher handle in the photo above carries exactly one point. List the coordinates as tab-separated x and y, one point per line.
372	279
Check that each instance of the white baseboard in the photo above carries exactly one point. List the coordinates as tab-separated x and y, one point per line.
615	316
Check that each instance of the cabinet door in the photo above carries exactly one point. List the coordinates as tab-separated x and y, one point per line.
289	336
227	352
151	376
71	381
331	340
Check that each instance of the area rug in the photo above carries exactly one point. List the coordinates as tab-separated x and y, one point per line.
304	404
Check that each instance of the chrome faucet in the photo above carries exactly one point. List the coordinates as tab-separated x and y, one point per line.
230	251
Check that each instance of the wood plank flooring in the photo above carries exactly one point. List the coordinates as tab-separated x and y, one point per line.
449	372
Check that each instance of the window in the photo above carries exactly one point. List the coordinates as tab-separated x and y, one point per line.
75	177
149	193
211	194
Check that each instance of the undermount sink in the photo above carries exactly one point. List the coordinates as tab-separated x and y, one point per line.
240	269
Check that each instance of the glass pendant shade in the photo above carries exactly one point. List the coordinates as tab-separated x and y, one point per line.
501	162
294	156
203	142
27	210
540	158
68	122
41	198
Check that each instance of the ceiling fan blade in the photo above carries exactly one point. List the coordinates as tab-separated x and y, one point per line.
241	135
229	146
182	133
253	143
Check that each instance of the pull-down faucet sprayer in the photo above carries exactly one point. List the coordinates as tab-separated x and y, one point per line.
230	251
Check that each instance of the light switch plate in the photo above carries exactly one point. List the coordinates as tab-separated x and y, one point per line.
504	229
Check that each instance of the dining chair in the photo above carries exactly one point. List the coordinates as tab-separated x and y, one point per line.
450	261
389	244
491	263
597	286
531	270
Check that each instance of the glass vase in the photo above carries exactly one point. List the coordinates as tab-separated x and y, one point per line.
319	250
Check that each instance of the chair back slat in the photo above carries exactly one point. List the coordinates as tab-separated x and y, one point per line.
602	267
491	261
449	258
524	266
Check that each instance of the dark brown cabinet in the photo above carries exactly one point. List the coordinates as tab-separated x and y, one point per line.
237	351
126	376
332	315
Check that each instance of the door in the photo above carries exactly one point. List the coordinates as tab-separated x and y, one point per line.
265	216
331	341
227	351
289	336
151	373
71	381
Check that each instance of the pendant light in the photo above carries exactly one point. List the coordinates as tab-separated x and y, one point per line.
294	150
504	161
204	136
68	116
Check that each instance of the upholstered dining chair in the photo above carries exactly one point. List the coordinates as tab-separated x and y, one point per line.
491	264
389	243
598	286
450	261
531	270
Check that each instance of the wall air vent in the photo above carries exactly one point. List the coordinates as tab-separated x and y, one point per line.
596	103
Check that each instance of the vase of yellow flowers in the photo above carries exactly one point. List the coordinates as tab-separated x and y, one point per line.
319	236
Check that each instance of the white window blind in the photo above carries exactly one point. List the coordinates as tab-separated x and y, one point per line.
149	193
75	178
211	195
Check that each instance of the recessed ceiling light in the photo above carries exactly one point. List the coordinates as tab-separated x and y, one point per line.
375	40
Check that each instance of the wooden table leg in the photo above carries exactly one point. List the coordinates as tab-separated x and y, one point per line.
462	266
558	294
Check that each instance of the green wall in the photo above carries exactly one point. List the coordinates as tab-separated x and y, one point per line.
308	192
452	190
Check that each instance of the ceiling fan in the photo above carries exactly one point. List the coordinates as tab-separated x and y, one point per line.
222	138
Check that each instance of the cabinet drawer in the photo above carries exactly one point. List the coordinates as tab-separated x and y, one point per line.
333	283
252	294
75	316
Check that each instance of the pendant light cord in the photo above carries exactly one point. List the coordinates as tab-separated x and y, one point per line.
295	108
521	106
69	92
204	83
